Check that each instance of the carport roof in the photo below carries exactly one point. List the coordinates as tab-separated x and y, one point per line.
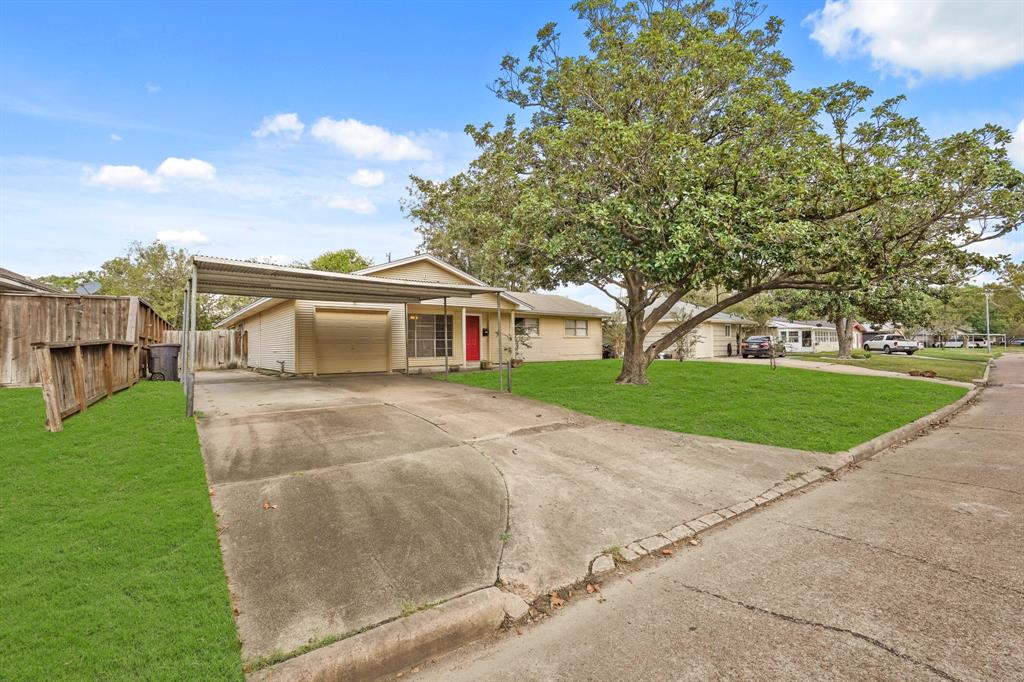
241	278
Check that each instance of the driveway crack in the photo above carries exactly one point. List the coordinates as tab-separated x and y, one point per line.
824	626
926	562
946	480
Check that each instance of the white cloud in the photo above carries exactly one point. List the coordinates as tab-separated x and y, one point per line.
182	237
360	205
124	177
287	126
365	141
114	137
186	169
366	178
153	89
1016	148
925	38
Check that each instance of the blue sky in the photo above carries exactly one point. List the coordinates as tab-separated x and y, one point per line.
283	130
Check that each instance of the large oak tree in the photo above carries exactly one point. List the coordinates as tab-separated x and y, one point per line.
673	156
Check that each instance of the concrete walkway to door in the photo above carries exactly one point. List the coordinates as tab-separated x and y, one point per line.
349	501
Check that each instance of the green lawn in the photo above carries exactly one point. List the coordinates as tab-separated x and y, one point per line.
109	563
967	354
795	408
962	370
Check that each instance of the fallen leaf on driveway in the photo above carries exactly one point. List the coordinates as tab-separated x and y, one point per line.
519	631
212	492
556	601
267	505
667	552
592	588
694	542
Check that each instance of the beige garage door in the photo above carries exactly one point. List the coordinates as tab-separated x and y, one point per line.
349	341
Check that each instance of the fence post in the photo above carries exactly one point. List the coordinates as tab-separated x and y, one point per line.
108	368
45	364
78	379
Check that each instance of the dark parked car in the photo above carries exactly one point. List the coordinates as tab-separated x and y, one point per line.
761	347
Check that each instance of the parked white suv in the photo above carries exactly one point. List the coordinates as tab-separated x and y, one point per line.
891	343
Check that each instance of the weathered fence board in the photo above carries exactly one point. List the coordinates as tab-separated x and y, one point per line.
64	318
215	348
76	375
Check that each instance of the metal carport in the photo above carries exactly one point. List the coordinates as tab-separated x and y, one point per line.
240	278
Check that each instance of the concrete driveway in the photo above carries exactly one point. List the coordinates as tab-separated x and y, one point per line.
346	502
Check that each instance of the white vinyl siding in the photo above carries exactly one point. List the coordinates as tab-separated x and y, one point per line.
703	348
271	337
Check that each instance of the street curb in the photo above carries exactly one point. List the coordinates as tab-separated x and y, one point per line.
687	530
401	643
983	381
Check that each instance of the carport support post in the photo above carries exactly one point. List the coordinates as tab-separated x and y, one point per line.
444	318
405	326
501	377
183	350
191	346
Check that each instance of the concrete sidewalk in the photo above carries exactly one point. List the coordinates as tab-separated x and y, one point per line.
347	502
794	361
909	567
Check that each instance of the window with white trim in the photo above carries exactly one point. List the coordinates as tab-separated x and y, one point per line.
426	336
528	326
576	328
728	330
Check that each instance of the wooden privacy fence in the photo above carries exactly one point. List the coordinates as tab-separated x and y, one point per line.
26	319
215	348
76	375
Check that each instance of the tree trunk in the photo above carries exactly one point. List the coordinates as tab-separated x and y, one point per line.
844	332
635	359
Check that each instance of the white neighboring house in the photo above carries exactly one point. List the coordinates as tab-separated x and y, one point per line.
718	336
810	336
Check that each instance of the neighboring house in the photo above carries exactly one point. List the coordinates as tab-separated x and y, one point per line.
930	337
718	336
811	336
329	337
13	283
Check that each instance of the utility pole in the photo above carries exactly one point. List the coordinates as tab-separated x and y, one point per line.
988	326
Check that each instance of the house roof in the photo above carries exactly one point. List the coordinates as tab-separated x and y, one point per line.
553	304
687	310
11	281
779	322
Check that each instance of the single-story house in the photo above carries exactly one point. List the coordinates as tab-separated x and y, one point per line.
718	336
811	336
334	337
930	337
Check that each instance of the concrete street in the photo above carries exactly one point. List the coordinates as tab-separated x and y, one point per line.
909	567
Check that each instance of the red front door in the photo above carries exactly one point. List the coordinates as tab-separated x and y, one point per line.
472	338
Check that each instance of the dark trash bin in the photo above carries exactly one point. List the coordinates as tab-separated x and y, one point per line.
163	361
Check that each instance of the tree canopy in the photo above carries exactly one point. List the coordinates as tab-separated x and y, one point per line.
342	260
673	156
